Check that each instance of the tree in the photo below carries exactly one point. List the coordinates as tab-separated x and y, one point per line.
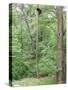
60	52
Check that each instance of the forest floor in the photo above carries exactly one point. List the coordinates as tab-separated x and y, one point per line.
34	81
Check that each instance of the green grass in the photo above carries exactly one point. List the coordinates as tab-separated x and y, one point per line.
34	81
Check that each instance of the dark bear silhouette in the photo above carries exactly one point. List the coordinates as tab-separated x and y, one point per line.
43	75
39	11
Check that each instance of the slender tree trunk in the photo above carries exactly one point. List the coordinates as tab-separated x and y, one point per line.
60	44
37	47
21	37
37	69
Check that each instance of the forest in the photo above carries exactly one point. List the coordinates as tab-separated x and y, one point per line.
37	44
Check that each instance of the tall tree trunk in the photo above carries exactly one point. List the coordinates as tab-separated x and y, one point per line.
64	48
21	37
60	55
37	70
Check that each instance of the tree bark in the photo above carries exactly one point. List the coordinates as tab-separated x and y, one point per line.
60	57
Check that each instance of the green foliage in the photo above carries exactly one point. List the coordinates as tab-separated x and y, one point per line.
19	69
